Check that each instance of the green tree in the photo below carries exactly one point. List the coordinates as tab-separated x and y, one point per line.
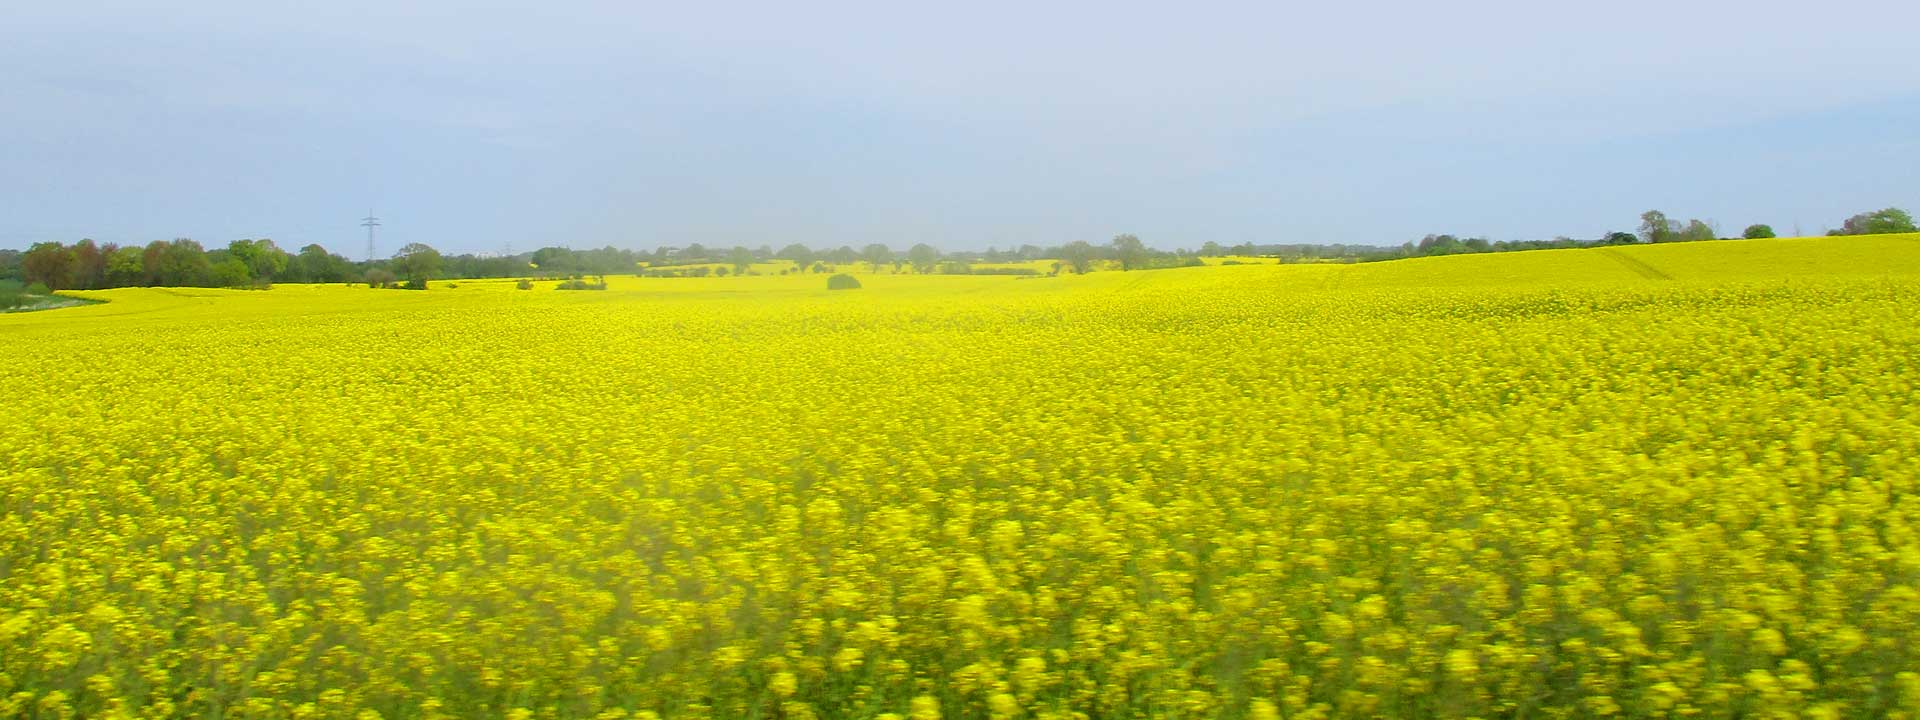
799	254
232	273
181	263
314	264
923	257
608	260
1078	255
1655	227
741	259
1211	249
1695	231
1888	220
416	263
1440	245
877	255
1755	232
556	261
125	268
262	259
1130	251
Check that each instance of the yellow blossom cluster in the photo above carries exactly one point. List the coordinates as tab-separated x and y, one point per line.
1650	481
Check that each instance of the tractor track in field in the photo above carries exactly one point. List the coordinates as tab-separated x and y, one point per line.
1638	266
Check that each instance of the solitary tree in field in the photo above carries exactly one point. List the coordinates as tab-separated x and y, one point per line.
1131	252
877	255
741	258
1755	232
923	257
801	255
416	263
1078	255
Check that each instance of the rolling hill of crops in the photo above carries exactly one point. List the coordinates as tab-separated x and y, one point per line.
1661	480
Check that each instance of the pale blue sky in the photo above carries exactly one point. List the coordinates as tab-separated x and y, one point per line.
472	125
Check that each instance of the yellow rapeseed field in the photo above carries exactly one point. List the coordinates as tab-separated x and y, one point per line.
1651	481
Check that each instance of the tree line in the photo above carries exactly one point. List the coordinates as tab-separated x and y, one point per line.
180	262
247	263
258	263
1655	227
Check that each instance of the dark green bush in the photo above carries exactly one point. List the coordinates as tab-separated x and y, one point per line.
843	281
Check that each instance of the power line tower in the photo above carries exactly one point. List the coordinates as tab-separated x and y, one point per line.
370	222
